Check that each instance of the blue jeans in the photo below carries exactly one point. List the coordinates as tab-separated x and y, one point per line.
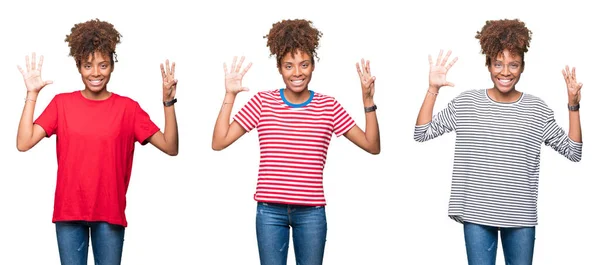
482	242
309	230
73	239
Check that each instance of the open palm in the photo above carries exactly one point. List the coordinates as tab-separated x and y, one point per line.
233	77
438	71
32	75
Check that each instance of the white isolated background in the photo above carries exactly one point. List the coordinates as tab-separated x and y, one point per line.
197	208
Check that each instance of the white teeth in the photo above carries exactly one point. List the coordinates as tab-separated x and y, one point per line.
297	82
96	82
504	81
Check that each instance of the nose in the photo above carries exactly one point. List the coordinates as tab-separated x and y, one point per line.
297	71
505	70
95	71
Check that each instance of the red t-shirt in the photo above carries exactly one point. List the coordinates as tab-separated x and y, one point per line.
94	146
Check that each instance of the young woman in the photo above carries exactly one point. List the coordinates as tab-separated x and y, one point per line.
96	131
294	126
499	133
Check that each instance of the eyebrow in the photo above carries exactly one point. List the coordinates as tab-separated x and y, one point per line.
300	62
98	63
500	61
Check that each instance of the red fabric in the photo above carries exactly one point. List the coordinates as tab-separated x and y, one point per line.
95	142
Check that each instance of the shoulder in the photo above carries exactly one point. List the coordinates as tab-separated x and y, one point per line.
323	99
469	97
267	94
127	101
472	94
535	102
67	95
530	98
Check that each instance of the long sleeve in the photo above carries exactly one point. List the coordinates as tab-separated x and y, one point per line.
441	123
555	137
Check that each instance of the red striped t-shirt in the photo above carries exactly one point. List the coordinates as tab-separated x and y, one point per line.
293	140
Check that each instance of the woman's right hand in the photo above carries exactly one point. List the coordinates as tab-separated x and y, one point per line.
233	77
437	72
33	74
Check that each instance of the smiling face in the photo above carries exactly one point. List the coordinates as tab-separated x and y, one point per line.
95	72
296	70
505	71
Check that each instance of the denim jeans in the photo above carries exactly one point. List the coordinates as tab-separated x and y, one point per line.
309	230
73	239
482	242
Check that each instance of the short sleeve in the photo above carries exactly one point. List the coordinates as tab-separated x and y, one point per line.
249	115
342	122
143	125
48	120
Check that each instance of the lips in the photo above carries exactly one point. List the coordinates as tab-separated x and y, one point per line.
96	82
504	81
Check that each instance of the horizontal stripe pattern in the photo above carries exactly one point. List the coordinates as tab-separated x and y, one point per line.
497	156
293	145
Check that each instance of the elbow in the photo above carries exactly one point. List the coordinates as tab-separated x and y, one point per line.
419	138
173	152
22	147
217	147
375	151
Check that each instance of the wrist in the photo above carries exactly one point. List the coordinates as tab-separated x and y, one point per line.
31	96
368	102
169	103
433	89
32	93
230	96
573	107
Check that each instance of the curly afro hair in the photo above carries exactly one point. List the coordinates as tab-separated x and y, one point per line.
292	35
499	35
93	36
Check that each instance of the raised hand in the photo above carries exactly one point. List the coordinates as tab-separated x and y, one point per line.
33	74
366	80
573	88
438	71
233	77
169	81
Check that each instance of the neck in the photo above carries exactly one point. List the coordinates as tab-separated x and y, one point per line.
100	95
296	97
511	96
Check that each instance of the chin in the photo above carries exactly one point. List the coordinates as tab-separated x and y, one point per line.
504	89
297	89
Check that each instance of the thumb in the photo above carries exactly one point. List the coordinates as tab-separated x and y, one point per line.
449	84
245	89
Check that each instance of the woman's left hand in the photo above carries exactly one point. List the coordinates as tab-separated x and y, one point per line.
573	88
169	81
367	81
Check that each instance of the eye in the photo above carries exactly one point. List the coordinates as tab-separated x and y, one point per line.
514	66
288	67
497	65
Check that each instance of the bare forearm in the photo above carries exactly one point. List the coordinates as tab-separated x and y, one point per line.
171	131
222	124
575	126
426	111
25	130
372	128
